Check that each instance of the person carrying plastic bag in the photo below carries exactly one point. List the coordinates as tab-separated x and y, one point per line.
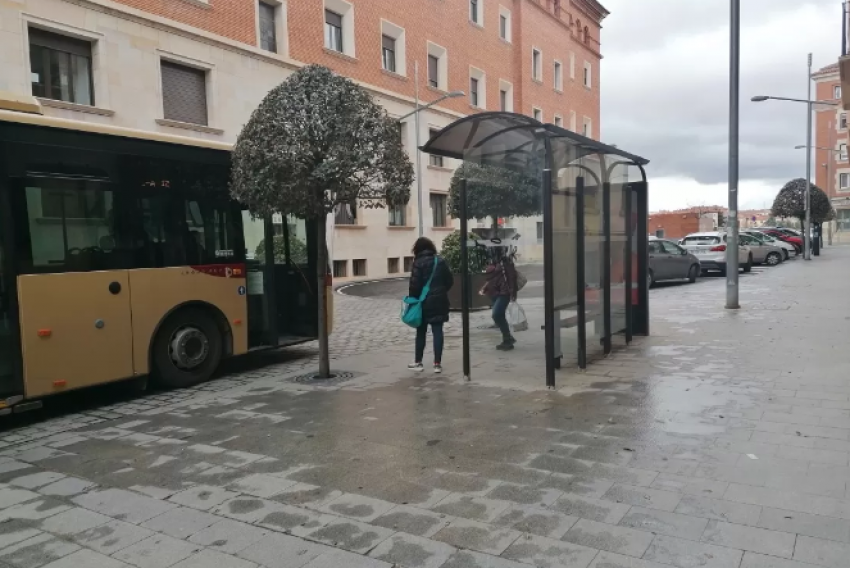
503	283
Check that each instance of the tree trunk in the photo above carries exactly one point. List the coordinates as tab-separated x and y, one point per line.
321	275
494	228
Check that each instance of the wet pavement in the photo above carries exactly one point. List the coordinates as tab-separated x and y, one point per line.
721	441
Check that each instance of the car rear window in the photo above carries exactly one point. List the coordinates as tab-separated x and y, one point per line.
702	240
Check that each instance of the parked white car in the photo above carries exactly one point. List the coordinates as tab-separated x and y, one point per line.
710	249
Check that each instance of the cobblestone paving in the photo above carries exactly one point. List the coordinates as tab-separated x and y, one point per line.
722	441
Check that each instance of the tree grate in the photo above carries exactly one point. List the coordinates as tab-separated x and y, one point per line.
336	378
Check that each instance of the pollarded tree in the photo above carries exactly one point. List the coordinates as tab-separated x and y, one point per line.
791	202
494	192
318	141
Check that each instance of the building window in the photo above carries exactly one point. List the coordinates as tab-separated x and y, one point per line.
843	181
438	68
539	231
388	52
537	114
842	121
61	67
573	123
436	161
842	152
358	267
408	263
559	76
268	27
506	96
536	67
392	265
475	15
184	93
504	23
340	268
398	215
345	213
836	92
588	75
559	121
333	31
659	233
572	65
587	128
439	211
477	88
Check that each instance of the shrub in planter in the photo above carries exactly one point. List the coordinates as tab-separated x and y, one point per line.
451	253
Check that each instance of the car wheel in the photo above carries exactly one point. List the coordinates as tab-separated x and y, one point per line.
650	279
693	273
749	266
187	349
773	259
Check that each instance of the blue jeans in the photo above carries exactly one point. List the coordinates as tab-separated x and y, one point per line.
421	338
500	306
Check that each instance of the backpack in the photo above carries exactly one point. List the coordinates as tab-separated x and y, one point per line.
411	308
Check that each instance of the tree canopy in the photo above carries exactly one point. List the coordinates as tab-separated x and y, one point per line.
492	191
791	202
318	140
297	250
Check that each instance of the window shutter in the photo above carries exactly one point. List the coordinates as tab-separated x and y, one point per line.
333	19
184	93
388	43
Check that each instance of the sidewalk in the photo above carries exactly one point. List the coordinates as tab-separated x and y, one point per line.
721	441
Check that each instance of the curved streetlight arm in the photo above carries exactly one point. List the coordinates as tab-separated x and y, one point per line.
452	95
803	147
762	98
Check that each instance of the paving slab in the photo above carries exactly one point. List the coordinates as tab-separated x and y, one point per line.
412	520
337	558
213	559
229	536
473	508
181	522
36	480
350	535
111	537
157	551
536	520
36	551
481	537
593	509
73	521
828	528
203	497
123	505
822	552
661	522
621	540
413	551
282	550
688	554
549	553
66	487
750	538
643	497
357	507
261	485
86	559
753	560
719	509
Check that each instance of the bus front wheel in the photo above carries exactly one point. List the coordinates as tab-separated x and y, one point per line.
187	349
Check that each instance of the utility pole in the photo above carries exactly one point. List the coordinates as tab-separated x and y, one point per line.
807	229
732	301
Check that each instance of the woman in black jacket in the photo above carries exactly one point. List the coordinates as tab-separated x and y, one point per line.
435	308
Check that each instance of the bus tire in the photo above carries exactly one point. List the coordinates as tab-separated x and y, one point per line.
187	349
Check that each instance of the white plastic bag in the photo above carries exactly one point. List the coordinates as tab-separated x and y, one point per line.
516	317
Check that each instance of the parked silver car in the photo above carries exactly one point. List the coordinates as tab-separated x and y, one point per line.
710	249
669	261
774	251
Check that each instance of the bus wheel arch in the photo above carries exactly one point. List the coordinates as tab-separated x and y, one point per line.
188	344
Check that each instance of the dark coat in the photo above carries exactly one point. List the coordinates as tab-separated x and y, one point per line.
501	279
435	308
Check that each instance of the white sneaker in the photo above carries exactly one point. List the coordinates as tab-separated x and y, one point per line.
438	368
418	367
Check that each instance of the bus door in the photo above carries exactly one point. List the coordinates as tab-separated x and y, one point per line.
11	384
74	300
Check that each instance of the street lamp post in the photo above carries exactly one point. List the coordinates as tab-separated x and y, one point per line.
807	253
415	113
734	94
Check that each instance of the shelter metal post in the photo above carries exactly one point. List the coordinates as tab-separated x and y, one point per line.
642	209
581	299
464	280
606	266
269	285
627	196
548	267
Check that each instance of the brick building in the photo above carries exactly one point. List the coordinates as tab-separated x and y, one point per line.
831	165
199	67
681	222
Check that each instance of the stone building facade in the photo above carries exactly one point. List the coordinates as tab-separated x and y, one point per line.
830	163
199	68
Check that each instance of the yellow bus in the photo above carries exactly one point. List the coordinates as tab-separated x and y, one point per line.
123	256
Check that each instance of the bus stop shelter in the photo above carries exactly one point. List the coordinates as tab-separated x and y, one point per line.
593	202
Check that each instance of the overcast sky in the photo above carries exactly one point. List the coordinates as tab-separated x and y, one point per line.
665	91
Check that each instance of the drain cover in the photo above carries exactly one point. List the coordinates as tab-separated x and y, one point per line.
336	378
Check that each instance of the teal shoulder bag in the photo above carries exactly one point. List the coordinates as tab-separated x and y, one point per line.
411	308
